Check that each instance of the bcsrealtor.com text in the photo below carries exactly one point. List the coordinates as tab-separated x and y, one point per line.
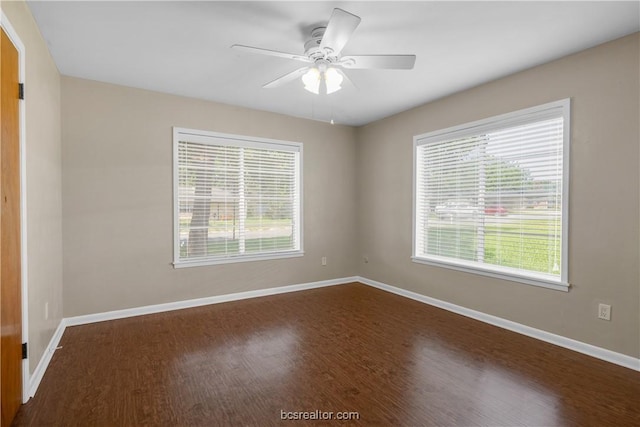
319	415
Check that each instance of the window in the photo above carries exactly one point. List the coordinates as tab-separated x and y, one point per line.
490	197
236	198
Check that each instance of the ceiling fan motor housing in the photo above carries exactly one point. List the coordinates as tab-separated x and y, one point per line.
312	47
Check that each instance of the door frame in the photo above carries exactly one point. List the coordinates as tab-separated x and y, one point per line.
5	24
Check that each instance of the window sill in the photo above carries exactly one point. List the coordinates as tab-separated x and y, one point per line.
237	259
534	281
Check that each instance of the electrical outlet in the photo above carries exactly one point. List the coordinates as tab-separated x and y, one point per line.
324	260
365	259
604	311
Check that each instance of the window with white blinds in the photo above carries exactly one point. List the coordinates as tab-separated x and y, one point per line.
236	198
490	197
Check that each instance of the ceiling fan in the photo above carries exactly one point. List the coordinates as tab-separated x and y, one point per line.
323	54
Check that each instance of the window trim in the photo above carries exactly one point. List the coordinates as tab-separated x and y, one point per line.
514	118
207	137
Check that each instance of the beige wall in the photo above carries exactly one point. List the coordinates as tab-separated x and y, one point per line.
44	200
118	202
603	83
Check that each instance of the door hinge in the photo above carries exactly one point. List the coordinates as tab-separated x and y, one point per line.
24	350
21	90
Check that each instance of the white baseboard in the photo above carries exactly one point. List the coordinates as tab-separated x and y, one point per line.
178	305
571	344
38	373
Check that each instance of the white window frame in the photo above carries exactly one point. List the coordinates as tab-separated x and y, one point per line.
540	112
207	137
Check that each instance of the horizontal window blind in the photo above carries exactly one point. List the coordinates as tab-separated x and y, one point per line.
490	197
236	198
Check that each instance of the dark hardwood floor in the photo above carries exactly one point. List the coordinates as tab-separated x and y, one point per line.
348	348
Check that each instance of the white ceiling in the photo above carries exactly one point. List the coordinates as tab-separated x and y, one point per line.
184	47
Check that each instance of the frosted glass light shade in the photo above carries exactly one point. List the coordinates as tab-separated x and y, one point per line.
333	80
311	80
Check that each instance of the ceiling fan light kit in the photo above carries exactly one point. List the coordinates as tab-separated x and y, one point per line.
322	75
323	52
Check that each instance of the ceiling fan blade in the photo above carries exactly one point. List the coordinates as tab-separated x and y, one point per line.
261	51
346	78
390	62
286	78
339	29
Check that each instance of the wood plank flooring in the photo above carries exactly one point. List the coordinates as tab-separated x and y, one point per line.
349	348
